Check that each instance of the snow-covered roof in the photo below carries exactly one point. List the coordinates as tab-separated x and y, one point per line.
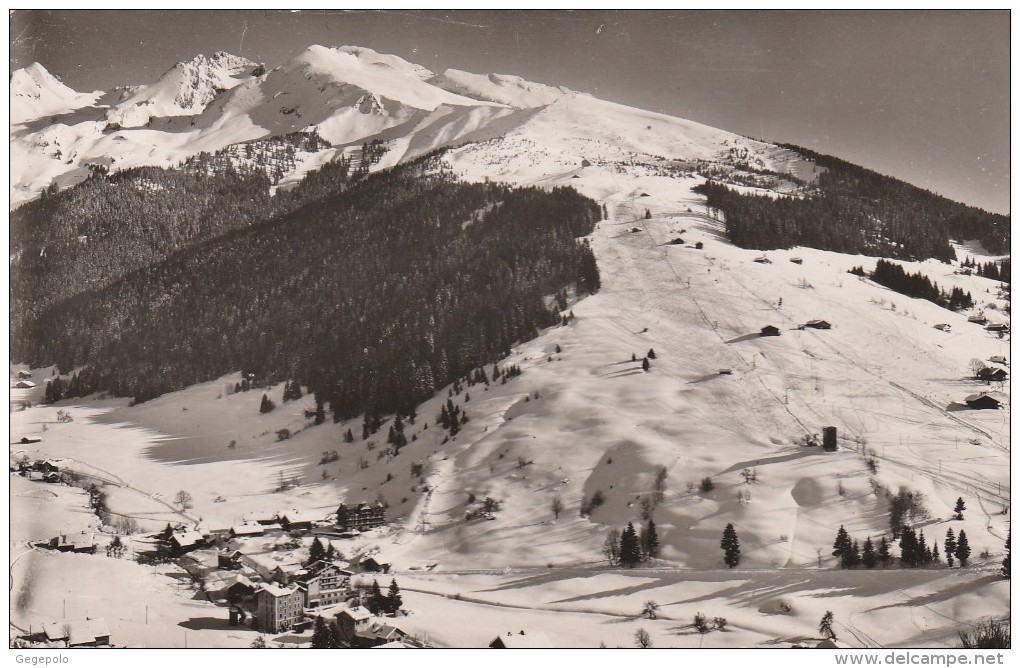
277	592
395	644
187	538
247	530
297	516
357	613
82	631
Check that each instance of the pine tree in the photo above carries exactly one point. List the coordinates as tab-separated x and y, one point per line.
841	545
349	436
1005	561
853	555
393	599
825	626
330	552
731	546
321	635
266	405
868	556
651	353
960	507
883	552
935	553
320	410
950	546
908	547
652	546
630	547
376	600
645	365
316	552
962	548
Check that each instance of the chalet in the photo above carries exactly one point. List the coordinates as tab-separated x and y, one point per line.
245	530
24	385
725	372
762	260
990	374
379	633
362	516
199	564
52	477
278	609
184	542
983	401
769	330
294	519
24	374
79	633
978	319
943	327
324	584
229	561
83	542
997	359
796	260
242	589
374	564
352	621
997	327
818	324
522	640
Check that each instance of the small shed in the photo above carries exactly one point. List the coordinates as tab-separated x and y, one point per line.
294	519
180	543
79	633
997	359
24	385
762	260
769	330
247	530
944	327
979	319
24	374
818	324
997	327
796	260
829	439
522	640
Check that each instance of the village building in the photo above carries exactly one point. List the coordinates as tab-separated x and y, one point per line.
184	542
24	374
24	385
294	519
997	359
979	319
278	609
229	561
762	260
992	374
324	584
818	324
997	327
769	330
983	401
362	516
246	530
79	633
943	327
83	542
379	633
374	564
352	621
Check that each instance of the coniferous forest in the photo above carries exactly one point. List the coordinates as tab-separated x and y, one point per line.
372	296
852	209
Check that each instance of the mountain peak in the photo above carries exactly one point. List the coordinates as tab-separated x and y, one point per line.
35	92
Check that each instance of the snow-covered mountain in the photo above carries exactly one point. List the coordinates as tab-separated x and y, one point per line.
348	95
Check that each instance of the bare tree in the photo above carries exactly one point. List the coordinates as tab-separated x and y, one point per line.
556	507
642	639
660	483
184	500
651	610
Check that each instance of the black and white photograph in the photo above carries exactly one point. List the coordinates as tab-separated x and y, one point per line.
545	329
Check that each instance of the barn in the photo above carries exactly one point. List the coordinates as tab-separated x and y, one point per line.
983	401
769	330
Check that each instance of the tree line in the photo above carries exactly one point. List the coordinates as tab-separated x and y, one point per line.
895	277
851	209
371	297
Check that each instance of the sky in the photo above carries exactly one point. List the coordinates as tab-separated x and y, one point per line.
920	95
